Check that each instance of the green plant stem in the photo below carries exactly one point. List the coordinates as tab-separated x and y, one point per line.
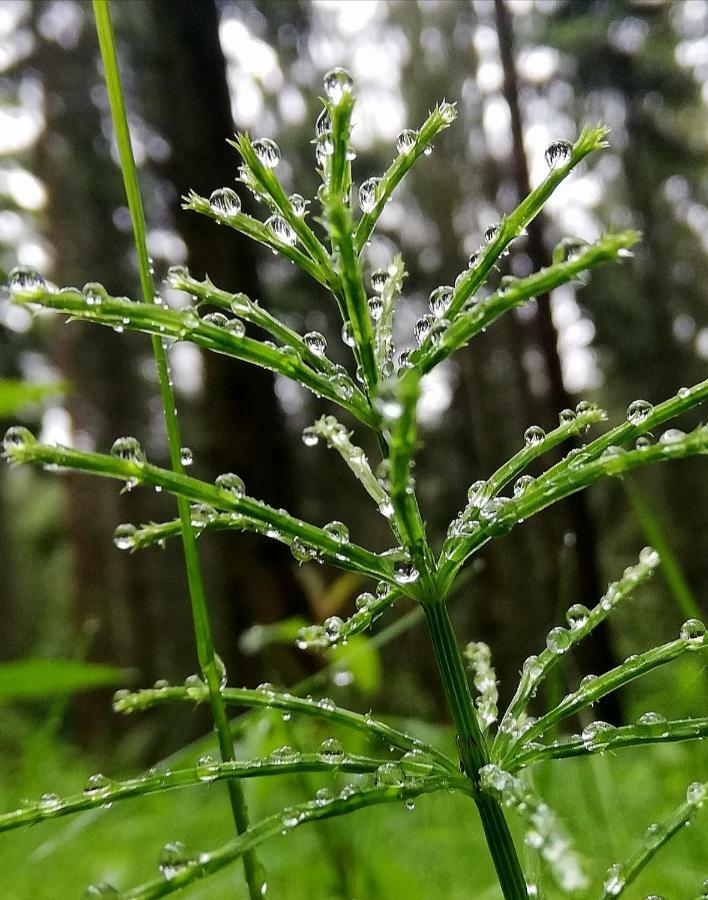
472	749
202	628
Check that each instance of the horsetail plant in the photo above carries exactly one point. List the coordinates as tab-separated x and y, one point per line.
381	395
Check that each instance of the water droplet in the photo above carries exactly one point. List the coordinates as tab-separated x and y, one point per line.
693	630
196	689
364	600
128	449
422	327
25	280
638	411
337	82
298	204
614	880
232	484
671	436
389	774
349	791
557	152
566	416
326	703
283	755
323	124
683	392
440	300
301	551
282	230
569	249
236	328
331	751
404	360
490	233
598	735
416	764
175	858
406	140
379	277
696	793
338	531
375	308
532	668
522	484
225	202
533	435
97	785
186	456
207	768
100	889
216	319
310	438
649	557
558	640
315	342
17	437
124	536
332	627
348	334
405	573
577	616
323	797
267	152
652	723
368	194
50	802
410	804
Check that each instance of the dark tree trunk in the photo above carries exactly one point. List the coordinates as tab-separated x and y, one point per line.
588	589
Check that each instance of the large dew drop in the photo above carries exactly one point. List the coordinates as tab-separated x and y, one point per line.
124	536
225	202
267	152
440	300
232	484
534	435
337	82
557	152
282	230
558	640
25	280
331	751
128	449
17	437
368	194
406	140
638	411
315	342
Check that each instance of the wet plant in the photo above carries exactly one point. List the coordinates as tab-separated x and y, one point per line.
496	748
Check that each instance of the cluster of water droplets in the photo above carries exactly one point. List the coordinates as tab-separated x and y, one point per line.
335	630
544	832
479	657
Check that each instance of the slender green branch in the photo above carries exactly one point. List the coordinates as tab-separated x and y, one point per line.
269	184
257	231
164	323
100	792
269	698
441	344
557	483
536	668
345	555
620	876
349	801
440	118
513	225
602	685
662	732
210	665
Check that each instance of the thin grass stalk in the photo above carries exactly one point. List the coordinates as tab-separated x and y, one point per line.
202	629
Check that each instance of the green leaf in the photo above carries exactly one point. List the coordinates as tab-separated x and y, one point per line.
14	394
44	678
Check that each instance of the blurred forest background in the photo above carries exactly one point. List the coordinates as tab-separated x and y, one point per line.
194	71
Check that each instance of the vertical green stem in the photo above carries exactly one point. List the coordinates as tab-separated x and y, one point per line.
473	751
205	644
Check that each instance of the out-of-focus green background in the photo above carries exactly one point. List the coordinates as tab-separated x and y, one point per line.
195	70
